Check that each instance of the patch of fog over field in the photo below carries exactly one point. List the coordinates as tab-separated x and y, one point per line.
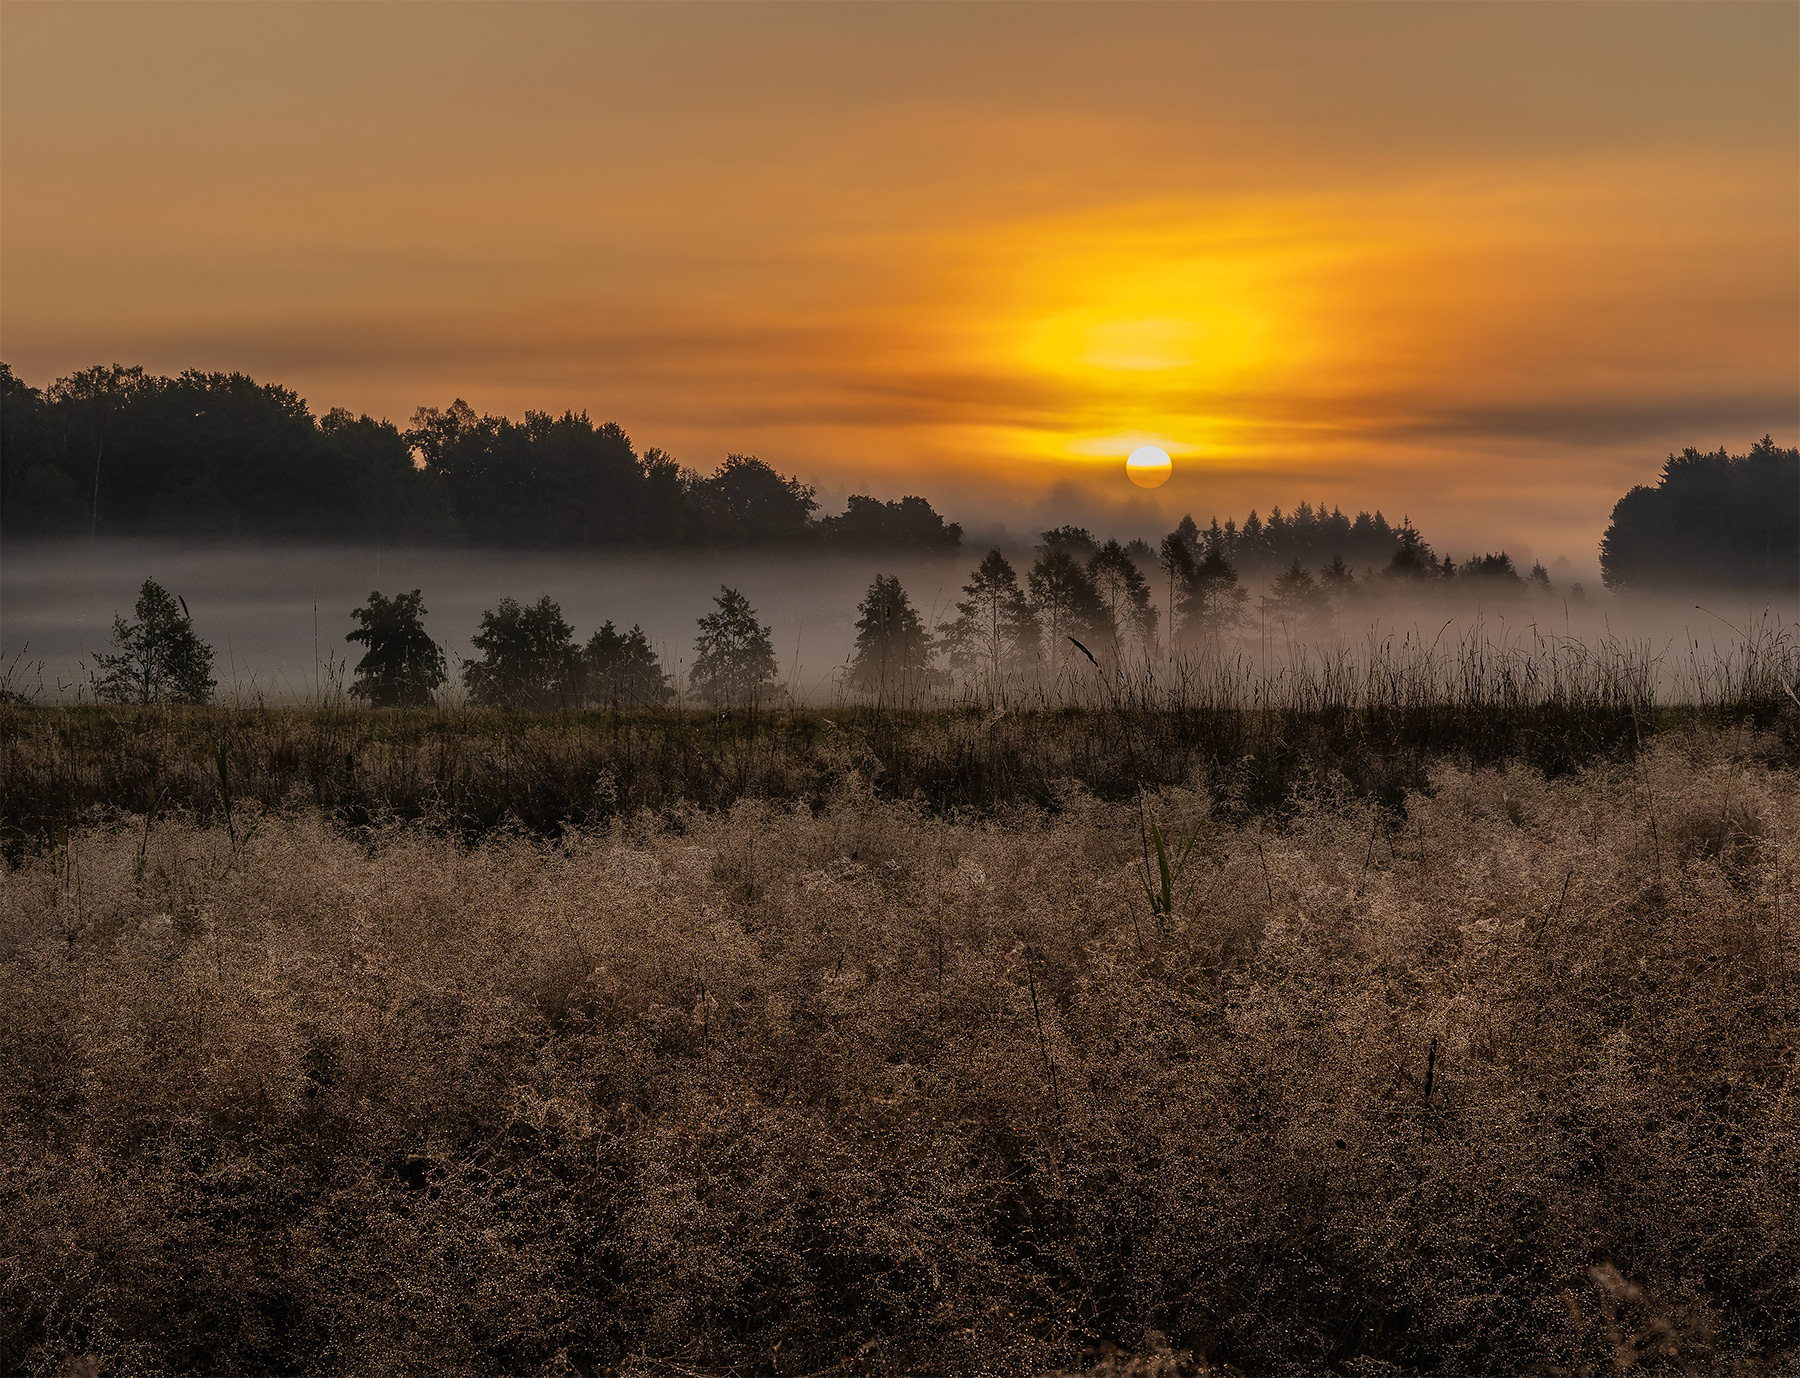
255	605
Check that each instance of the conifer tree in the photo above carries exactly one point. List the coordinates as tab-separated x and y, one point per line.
893	648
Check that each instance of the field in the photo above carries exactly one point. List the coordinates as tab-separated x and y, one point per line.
1461	1038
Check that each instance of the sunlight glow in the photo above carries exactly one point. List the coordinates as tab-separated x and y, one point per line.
1149	466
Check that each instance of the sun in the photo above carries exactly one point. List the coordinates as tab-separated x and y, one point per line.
1148	466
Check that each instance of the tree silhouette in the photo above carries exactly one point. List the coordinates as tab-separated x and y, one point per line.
1295	597
402	665
1712	519
1129	620
734	655
868	524
1495	569
747	501
1213	600
1413	559
622	670
529	659
156	659
1066	602
893	648
995	632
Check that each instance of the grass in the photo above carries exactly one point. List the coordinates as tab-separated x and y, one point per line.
1419	1035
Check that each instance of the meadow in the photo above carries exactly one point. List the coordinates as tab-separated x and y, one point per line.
1427	1013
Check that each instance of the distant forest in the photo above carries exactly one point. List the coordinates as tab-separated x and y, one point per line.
1711	519
118	451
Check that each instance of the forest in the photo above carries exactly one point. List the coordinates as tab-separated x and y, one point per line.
114	450
119	451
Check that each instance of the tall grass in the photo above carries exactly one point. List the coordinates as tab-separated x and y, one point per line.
1507	1087
1364	725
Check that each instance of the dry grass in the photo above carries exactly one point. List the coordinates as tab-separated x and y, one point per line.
1501	1083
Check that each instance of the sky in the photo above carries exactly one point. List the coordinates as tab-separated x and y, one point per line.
1481	265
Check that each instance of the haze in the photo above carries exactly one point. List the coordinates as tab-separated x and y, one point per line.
1486	266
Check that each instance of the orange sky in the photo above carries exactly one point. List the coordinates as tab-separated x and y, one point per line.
1485	265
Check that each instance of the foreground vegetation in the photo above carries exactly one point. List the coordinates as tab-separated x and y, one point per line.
847	1084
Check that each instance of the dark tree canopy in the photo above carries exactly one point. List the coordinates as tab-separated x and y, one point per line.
1711	520
156	659
734	655
116	451
869	524
621	670
402	666
893	648
528	657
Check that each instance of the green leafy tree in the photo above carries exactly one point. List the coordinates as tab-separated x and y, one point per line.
402	665
734	655
157	658
995	632
622	670
528	657
893	648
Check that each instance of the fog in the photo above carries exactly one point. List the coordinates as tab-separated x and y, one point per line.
256	606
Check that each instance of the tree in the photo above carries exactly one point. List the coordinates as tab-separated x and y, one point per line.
621	669
1213	599
749	502
869	524
1130	617
1066	603
1295	595
402	665
158	658
734	655
1413	559
1077	540
1493	569
1336	578
995	632
1716	519
529	659
1176	560
893	649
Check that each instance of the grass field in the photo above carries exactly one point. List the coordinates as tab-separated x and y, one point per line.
1462	1040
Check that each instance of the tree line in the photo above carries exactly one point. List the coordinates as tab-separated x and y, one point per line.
1710	519
118	451
1080	599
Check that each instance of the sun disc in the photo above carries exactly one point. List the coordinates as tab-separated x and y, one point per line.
1148	466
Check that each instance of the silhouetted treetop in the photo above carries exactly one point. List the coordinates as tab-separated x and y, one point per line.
114	450
1711	519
